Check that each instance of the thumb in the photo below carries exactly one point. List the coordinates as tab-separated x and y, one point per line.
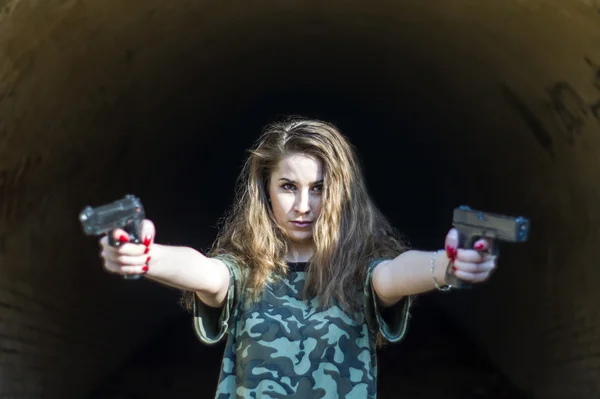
148	232
452	242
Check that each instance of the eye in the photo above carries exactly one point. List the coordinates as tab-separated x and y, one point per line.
287	186
318	188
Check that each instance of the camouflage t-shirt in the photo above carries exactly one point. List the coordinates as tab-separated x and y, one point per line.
284	346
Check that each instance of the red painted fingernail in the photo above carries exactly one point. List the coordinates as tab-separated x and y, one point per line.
123	238
145	268
454	269
148	260
146	250
450	252
147	240
479	246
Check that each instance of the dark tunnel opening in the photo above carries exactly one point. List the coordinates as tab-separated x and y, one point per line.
402	164
447	104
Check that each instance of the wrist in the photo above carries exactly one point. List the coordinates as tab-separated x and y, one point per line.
156	253
439	265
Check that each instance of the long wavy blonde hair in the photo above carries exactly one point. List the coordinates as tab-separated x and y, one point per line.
349	232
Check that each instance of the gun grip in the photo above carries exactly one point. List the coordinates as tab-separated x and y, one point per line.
133	229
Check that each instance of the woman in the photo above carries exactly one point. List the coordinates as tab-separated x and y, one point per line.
305	277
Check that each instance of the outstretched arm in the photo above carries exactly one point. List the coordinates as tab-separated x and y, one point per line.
410	272
180	267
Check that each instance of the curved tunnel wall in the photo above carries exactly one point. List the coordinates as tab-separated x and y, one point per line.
490	104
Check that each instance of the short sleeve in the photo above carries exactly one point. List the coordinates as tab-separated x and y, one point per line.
391	321
211	324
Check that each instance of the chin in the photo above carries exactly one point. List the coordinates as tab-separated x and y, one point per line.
301	238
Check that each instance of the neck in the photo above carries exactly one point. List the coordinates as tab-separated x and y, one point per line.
300	253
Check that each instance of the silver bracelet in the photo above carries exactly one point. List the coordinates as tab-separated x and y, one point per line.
435	283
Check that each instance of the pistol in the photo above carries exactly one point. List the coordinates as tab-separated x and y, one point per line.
126	213
473	225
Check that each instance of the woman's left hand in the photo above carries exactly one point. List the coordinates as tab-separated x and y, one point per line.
470	265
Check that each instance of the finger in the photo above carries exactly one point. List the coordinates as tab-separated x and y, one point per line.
110	252
111	267
148	232
469	267
114	268
125	260
451	243
469	255
120	235
483	244
487	256
106	248
127	250
472	277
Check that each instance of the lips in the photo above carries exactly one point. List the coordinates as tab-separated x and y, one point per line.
301	224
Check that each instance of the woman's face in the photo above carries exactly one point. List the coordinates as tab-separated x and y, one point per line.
295	191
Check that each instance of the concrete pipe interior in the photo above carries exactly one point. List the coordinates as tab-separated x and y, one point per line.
491	104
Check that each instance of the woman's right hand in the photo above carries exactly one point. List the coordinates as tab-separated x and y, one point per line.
128	258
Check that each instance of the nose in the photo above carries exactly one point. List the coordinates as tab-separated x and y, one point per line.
302	202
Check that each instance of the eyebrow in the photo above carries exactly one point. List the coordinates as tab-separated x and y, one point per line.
285	179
